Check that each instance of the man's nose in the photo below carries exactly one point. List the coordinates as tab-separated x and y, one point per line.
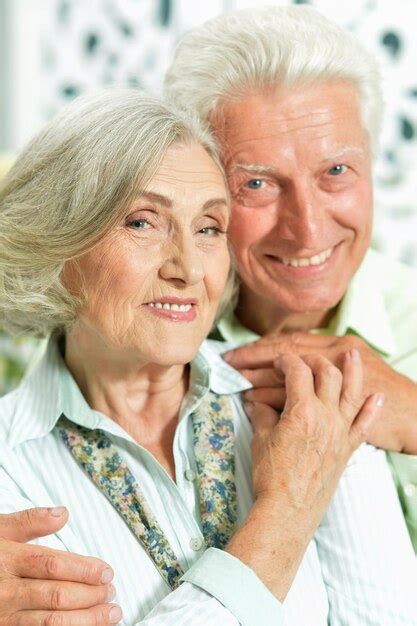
182	262
302	216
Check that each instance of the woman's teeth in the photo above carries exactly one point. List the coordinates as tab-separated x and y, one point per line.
171	307
318	259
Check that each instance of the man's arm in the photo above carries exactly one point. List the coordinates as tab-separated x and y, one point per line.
397	428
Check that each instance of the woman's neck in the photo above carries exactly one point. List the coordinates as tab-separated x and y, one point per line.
143	398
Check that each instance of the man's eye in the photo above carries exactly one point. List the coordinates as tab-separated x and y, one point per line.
255	183
337	169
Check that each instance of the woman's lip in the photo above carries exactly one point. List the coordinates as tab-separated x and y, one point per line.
173	316
174	300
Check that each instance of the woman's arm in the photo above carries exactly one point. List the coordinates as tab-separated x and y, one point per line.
367	559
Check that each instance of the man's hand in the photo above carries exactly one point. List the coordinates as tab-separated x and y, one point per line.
397	428
43	587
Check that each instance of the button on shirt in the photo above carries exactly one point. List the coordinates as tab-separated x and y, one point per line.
380	306
351	573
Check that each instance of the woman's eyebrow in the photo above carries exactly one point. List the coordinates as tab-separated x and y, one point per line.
156	197
214	202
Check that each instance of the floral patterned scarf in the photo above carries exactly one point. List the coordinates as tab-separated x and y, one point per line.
213	439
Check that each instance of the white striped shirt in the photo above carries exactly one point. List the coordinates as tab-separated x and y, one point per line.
359	569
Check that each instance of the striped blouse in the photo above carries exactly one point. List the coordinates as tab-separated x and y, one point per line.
358	570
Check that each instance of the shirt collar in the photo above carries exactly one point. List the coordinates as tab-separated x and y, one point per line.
361	311
49	390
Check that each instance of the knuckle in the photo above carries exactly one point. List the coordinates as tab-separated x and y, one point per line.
7	592
88	573
58	598
53	619
50	565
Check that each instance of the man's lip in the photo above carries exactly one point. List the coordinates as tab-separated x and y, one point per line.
280	257
174	300
295	256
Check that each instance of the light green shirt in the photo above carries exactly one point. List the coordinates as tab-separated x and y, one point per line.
381	307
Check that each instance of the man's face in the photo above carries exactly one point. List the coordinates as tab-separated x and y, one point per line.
299	170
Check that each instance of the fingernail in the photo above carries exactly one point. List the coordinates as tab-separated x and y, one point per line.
379	399
354	354
115	614
111	593
227	356
106	576
58	511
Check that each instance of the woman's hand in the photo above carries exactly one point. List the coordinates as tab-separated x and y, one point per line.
302	453
298	458
43	587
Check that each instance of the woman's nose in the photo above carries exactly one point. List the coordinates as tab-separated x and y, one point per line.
183	263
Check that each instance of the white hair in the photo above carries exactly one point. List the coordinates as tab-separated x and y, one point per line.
67	191
242	53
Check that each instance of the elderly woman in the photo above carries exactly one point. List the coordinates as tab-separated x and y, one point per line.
113	225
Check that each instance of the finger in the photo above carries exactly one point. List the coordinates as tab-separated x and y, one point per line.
32	594
262	417
351	398
313	340
299	382
29	561
366	419
103	615
257	354
328	379
32	523
264	377
275	398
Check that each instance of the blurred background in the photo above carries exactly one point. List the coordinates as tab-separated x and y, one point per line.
53	50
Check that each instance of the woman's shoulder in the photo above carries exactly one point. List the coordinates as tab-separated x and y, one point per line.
8	406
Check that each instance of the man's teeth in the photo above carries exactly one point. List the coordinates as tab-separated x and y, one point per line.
318	259
171	307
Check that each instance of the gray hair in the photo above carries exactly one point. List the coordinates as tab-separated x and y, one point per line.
241	53
67	190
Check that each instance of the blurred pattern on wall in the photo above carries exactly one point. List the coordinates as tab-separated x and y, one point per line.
59	49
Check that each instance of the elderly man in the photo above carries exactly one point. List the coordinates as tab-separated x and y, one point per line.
298	120
295	104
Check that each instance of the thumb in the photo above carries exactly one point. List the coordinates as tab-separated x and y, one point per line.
369	414
262	416
32	523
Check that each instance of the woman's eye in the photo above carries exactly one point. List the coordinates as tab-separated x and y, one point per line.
210	230
337	169
140	224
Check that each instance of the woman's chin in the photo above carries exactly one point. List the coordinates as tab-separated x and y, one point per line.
170	355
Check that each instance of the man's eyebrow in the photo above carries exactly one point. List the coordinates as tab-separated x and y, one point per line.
167	202
343	151
253	167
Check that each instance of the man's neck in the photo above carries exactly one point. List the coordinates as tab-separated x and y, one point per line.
264	318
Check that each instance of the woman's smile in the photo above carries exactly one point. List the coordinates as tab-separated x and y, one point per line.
173	308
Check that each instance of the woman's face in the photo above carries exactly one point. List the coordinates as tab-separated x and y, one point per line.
154	284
